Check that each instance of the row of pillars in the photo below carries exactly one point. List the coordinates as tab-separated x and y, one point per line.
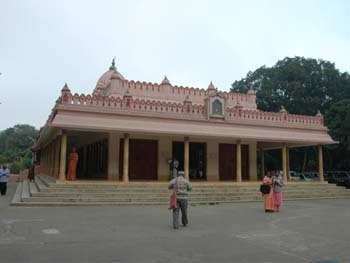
49	160
59	147
186	158
285	162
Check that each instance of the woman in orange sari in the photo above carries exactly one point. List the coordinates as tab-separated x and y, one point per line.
269	198
72	165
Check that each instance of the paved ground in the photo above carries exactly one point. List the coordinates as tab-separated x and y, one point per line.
310	231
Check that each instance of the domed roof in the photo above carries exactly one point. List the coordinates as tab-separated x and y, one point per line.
165	81
106	77
211	86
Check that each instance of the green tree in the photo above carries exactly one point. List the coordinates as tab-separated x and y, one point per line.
301	85
338	119
20	136
304	86
15	144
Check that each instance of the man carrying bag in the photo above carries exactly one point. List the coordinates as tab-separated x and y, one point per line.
181	187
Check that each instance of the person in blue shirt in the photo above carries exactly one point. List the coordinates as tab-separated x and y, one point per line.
4	177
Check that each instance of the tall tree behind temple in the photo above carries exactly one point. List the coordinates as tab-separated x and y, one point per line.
15	144
338	119
304	86
301	85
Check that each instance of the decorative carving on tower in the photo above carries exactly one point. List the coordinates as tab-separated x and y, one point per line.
188	104
284	112
66	95
127	98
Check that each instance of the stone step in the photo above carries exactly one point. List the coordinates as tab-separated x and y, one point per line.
47	180
18	194
167	193
25	190
44	192
142	189
33	190
151	199
40	184
165	204
146	187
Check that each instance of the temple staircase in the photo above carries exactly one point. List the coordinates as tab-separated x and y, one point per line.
44	191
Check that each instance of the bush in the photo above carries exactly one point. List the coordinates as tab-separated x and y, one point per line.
15	168
25	163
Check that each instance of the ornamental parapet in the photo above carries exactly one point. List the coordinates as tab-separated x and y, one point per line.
186	110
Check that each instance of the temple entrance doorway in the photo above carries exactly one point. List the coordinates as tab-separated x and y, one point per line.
227	162
143	159
92	150
197	159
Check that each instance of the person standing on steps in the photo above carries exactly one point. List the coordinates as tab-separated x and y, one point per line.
181	186
4	175
31	173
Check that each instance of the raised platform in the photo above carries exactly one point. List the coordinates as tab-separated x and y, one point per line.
46	192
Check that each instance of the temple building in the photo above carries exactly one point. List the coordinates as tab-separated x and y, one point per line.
130	130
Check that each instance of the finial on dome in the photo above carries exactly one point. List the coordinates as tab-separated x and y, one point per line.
112	67
250	90
283	109
165	81
211	86
65	87
319	113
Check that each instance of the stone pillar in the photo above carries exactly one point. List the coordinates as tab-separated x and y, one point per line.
52	156
187	158
320	162
284	162
164	155
42	161
45	161
288	163
85	159
253	173
62	173
126	158
262	163
212	161
239	161
57	157
48	160
113	156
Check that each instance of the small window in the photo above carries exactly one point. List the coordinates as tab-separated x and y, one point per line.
217	107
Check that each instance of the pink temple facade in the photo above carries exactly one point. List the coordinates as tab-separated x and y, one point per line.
131	130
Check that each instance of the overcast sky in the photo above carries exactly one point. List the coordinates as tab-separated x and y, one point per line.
44	44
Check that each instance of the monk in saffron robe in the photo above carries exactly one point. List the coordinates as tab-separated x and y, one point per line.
72	165
269	198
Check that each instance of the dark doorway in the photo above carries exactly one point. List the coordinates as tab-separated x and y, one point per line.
227	162
143	159
93	160
198	153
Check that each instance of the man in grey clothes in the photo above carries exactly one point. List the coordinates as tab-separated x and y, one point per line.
182	187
